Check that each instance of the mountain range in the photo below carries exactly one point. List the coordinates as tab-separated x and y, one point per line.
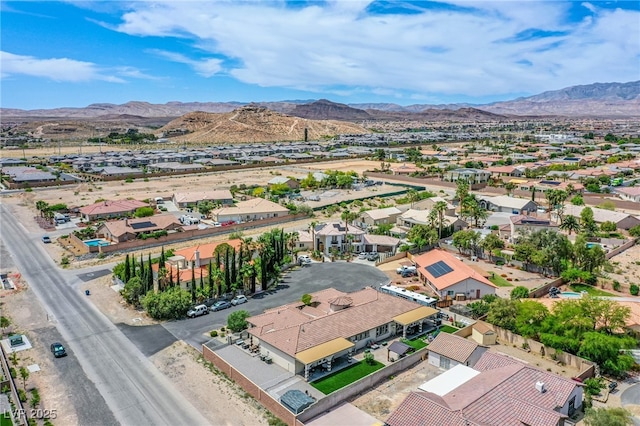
598	100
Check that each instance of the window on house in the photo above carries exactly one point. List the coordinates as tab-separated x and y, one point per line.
334	240
383	329
362	336
450	293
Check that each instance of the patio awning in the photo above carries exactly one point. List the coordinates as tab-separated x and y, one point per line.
415	315
323	350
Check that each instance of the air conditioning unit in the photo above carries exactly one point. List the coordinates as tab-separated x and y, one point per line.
540	387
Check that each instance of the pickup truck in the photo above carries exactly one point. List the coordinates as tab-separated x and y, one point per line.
406	269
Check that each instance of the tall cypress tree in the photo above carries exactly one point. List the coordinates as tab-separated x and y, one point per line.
178	276
227	272
234	272
163	260
132	265
193	282
240	262
127	270
142	269
211	285
150	275
170	277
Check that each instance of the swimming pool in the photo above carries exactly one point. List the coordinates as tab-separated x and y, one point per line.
97	243
570	295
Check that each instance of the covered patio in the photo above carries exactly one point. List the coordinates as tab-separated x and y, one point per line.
413	322
322	359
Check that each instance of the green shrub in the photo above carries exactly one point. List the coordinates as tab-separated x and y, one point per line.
214	333
237	321
616	285
634	289
22	395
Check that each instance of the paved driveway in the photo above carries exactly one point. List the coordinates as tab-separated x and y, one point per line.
630	399
317	276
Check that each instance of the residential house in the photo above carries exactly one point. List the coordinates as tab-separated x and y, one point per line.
474	176
129	229
110	209
377	217
621	219
200	255
405	169
521	224
19	174
448	276
630	193
305	241
249	210
191	199
282	180
412	217
327	331
505	392
448	350
510	171
428	203
333	235
505	203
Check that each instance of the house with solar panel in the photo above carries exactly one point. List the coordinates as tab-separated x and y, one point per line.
448	276
119	231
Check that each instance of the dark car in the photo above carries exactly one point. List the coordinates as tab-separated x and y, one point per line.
58	350
220	305
46	239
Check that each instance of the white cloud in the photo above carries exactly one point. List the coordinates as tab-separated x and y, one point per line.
57	69
477	50
206	67
65	69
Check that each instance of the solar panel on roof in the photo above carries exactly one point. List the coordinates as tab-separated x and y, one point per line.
141	225
438	269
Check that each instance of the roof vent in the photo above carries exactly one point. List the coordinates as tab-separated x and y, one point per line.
540	387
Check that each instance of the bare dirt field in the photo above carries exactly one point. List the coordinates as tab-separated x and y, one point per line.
217	398
626	270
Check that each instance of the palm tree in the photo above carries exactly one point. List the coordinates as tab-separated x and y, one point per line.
571	224
347	216
413	196
440	208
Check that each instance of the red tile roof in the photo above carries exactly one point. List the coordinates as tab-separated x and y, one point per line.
294	328
460	272
504	393
453	347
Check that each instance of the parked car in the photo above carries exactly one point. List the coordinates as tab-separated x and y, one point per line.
405	268
198	310
239	300
217	224
228	223
220	305
58	350
304	258
372	257
363	255
46	239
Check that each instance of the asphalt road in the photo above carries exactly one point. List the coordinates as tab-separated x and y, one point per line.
343	276
631	396
133	389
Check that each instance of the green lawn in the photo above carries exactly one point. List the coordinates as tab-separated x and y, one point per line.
499	281
415	343
345	377
592	291
5	419
448	329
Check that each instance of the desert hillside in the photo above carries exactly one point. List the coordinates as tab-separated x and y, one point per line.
252	124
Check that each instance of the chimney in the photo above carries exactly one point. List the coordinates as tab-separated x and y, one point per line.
126	221
196	255
540	387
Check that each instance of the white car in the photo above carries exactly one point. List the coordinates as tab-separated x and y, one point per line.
363	255
406	269
304	258
197	311
239	300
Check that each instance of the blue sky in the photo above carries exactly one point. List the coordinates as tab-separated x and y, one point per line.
76	53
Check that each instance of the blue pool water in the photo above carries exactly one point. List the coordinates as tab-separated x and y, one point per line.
570	295
96	243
